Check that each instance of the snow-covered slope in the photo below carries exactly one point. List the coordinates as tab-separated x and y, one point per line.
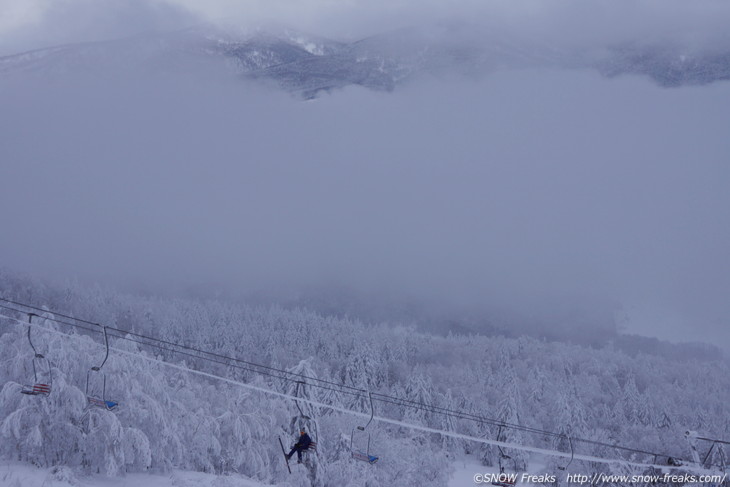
18	474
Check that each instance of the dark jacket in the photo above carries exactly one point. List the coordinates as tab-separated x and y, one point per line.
304	442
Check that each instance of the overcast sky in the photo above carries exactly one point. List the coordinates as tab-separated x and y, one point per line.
529	190
29	24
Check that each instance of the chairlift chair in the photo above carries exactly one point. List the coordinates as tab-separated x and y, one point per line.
96	383
503	480
365	456
302	420
572	454
42	375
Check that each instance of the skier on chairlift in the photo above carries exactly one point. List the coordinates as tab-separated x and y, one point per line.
301	445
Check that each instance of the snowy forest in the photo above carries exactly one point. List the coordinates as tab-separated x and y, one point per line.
169	418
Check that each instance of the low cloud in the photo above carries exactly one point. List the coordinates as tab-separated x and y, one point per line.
699	24
535	192
35	24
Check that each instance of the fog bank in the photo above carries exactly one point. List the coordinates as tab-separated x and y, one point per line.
535	192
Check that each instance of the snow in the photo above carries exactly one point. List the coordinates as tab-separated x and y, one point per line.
17	474
14	474
309	46
465	469
467	466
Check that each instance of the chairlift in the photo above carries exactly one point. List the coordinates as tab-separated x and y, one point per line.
503	480
96	383
572	454
302	421
42	375
365	456
717	447
655	472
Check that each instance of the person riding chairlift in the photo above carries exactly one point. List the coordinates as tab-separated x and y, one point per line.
301	445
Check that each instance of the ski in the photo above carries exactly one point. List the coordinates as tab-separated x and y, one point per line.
285	457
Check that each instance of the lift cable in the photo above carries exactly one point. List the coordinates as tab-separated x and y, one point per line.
312	381
263	390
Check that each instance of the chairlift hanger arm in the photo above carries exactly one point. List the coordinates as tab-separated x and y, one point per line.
30	322
106	344
372	409
372	413
709	452
572	453
502	454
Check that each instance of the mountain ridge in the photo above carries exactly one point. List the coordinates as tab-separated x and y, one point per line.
308	65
